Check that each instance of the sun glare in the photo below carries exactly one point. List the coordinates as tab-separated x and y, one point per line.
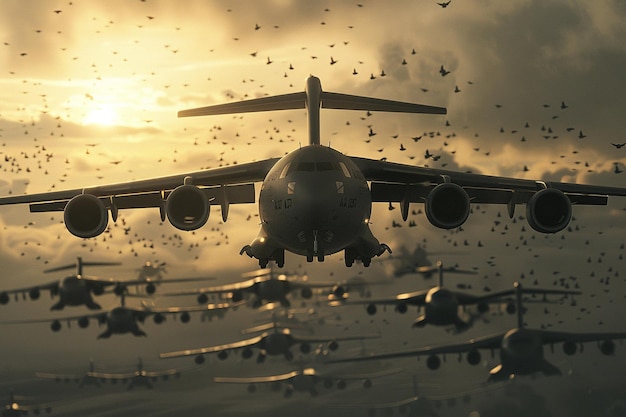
103	116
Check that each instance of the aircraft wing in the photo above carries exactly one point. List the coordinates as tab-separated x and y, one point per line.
495	297
59	377
128	375
151	192
258	379
100	316
396	182
111	376
217	289
148	311
320	339
487	342
413	298
50	286
211	349
555	337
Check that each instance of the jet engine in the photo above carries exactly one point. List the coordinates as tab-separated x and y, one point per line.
83	322
569	347
607	347
34	293
402	307
371	309
187	208
433	362
339	291
447	206
247	353
549	211
4	298
55	326
473	357
85	216
306	293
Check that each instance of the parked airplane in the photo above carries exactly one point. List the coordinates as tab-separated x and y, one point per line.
268	286
78	289
316	201
14	407
122	319
278	342
139	377
441	304
306	380
521	348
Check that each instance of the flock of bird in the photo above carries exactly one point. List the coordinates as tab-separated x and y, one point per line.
34	138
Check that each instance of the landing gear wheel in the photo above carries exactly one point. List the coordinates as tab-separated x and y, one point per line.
349	257
279	257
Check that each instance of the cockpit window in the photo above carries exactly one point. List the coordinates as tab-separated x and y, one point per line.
284	171
324	166
306	166
344	168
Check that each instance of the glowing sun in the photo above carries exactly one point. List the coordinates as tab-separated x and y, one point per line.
103	116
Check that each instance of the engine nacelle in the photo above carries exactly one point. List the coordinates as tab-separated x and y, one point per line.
247	353
34	293
569	348
371	309
150	288
83	322
4	298
199	359
187	208
185	317
85	216
367	383
482	307
548	211
158	318
306	293
339	291
402	307
447	206
473	357
433	362
203	298
55	326
236	296
333	345
607	347
305	348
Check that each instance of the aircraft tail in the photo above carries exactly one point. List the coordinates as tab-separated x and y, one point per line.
313	98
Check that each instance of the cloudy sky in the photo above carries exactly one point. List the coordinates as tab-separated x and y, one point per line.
89	93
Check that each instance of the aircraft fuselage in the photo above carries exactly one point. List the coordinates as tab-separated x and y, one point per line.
441	307
74	291
314	202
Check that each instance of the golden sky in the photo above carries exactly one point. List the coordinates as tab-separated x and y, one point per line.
89	92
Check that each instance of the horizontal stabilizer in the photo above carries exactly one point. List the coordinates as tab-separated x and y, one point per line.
281	102
351	102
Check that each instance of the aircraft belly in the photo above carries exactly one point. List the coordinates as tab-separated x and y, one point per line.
333	220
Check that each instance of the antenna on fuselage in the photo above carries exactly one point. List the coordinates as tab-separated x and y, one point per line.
313	99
